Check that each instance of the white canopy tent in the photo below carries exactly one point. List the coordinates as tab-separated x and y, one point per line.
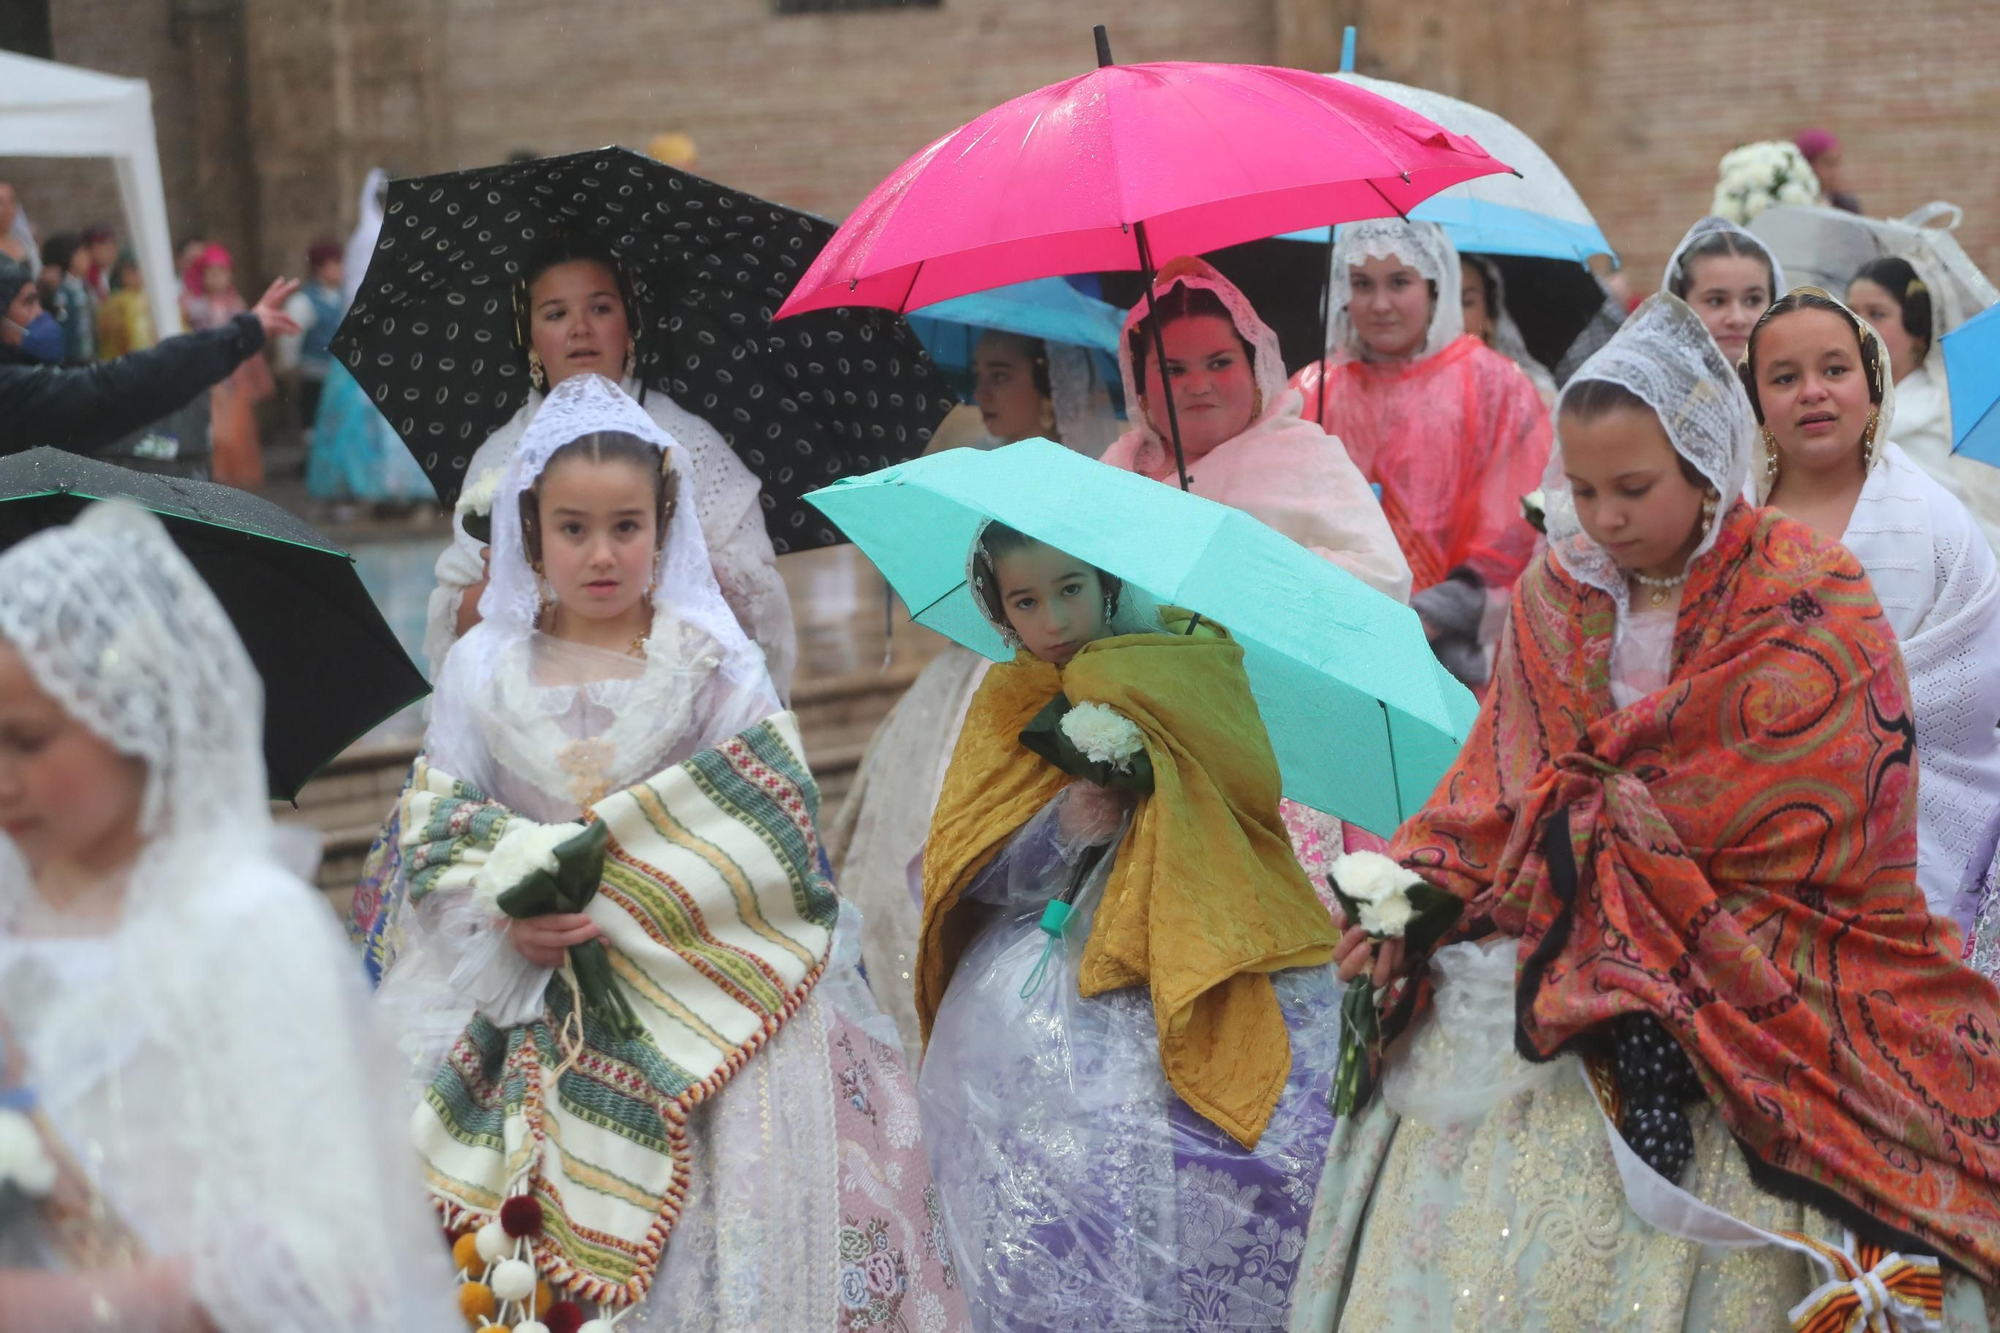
51	110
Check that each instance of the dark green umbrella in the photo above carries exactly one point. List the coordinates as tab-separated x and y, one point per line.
331	665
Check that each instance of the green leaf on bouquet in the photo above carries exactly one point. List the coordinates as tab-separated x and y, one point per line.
1044	736
1433	912
573	883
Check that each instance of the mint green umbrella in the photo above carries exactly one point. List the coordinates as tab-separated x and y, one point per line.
1362	717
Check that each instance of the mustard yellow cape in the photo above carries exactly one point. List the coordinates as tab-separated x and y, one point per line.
1205	898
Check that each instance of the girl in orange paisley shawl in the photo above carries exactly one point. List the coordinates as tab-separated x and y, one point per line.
1699	1055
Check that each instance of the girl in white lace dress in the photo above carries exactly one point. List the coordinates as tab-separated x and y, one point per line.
193	1096
1824	390
606	657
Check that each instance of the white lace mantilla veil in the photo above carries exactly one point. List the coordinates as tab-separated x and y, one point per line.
700	670
715	486
1662	354
1709	226
1135	612
1421	245
1758	487
1085	417
212	1056
1267	361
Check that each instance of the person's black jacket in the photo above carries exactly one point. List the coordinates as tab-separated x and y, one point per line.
84	410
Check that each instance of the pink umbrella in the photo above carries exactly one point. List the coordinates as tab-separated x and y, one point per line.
1128	162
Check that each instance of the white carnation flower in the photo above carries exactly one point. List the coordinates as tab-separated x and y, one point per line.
524	848
24	1159
1103	734
1388	918
1370	877
478	497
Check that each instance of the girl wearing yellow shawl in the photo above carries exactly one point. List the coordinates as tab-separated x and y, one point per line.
1131	1028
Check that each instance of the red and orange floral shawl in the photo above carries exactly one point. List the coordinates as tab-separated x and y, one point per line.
1739	862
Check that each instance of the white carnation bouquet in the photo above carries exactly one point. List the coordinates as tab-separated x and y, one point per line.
1757	176
475	505
1389	903
1092	741
1104	735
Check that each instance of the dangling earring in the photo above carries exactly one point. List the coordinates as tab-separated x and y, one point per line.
1709	503
1770	455
1868	434
1110	608
1048	417
631	359
538	374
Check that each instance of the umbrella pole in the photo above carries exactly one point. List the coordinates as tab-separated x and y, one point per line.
1395	778
1160	355
1103	39
1326	318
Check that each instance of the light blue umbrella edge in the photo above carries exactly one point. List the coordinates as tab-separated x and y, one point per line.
1495	229
1972	374
1420	744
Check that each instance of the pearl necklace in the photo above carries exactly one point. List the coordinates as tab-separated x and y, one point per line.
1660	589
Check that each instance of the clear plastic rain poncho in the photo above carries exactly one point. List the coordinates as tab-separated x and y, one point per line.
205	1067
1080	1193
1454	436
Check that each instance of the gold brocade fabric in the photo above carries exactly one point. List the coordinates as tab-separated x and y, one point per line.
1205	898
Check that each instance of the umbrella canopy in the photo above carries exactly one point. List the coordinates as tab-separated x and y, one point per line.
1047	308
432	336
1183	157
1535	212
1972	371
331	665
1824	247
1363	719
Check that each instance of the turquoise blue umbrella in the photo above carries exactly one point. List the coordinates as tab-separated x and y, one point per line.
1972	370
1047	308
1362	717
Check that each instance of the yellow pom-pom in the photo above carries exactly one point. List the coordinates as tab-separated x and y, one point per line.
544	1298
476	1303
465	1254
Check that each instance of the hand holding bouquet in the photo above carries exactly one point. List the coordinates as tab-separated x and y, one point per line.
1388	903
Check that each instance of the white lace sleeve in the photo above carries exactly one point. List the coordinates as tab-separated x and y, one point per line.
746	570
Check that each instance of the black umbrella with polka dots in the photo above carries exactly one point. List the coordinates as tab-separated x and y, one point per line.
431	335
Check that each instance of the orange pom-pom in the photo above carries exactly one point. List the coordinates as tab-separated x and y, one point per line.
465	1254
476	1303
544	1298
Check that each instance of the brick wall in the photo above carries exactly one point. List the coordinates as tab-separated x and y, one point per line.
1634	98
1637	100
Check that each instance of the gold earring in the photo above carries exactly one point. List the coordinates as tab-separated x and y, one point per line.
1709	503
1770	455
1048	417
1868	434
538	374
631	359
